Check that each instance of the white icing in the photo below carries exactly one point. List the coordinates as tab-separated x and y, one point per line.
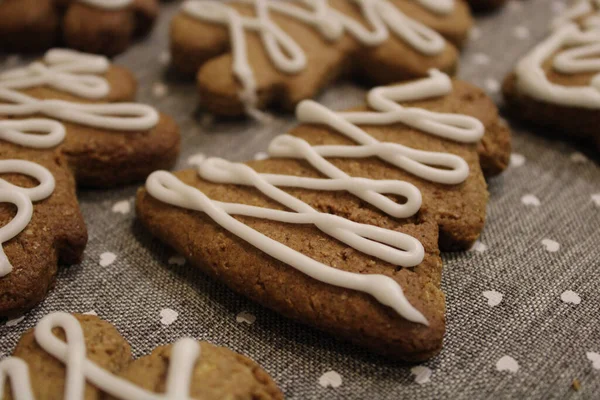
442	7
65	70
79	369
576	51
286	54
108	4
578	10
116	116
21	132
22	198
387	245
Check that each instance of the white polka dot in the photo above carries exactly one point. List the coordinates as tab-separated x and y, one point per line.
122	207
569	296
521	32
507	363
517	160
474	34
160	90
422	374
594	358
196	159
530	200
168	316
91	312
493	297
578	158
15	321
481	59
176	260
107	258
478	247
596	199
492	85
164	58
551	245
330	378
245	317
261	155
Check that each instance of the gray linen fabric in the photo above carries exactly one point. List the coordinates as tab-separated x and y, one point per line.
552	342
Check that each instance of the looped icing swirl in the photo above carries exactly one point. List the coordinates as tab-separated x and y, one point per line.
287	55
387	245
79	369
115	116
65	70
23	199
575	49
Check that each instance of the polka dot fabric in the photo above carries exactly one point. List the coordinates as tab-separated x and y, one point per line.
523	306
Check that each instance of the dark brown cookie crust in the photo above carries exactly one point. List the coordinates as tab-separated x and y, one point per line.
219	374
456	212
203	49
56	234
574	122
94	158
105	347
346	314
34	25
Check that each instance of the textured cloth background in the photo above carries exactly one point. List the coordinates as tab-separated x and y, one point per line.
550	192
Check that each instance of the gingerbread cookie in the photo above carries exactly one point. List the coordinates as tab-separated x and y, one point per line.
255	54
557	85
95	26
83	357
341	228
51	143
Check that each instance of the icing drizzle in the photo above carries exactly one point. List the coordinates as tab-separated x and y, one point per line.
73	73
115	116
65	70
23	198
576	50
387	245
287	55
108	4
184	355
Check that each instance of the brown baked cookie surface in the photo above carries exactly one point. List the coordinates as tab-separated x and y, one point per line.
55	235
37	367
556	84
94	26
230	220
238	70
98	141
219	374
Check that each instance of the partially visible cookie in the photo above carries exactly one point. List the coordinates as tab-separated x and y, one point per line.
95	26
302	48
56	129
106	144
557	84
56	233
341	228
47	374
219	374
54	360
